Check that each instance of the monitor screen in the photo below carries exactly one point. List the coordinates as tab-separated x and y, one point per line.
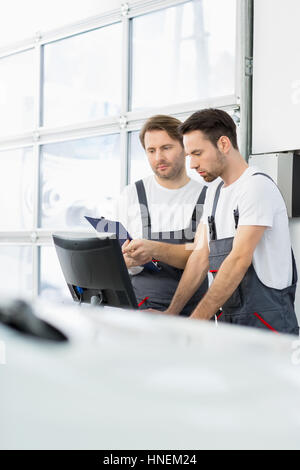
94	269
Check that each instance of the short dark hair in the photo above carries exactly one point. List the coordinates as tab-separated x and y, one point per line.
214	123
161	122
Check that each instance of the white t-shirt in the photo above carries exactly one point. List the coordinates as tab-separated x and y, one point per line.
170	209
260	203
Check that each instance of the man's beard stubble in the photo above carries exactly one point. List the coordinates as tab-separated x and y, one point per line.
172	175
220	165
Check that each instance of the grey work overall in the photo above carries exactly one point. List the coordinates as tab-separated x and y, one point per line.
159	287
252	303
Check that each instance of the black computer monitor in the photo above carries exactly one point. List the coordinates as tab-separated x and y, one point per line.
95	270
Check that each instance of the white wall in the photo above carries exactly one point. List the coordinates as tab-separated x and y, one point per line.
276	87
276	80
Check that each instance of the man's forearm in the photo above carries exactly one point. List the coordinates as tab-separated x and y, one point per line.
174	255
192	278
226	282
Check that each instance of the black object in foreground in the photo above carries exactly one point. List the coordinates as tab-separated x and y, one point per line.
20	316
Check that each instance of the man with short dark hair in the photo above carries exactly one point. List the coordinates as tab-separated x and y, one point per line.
161	212
243	239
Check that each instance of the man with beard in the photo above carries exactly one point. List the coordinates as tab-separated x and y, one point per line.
161	212
243	239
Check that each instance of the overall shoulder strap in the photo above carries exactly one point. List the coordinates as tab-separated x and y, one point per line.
201	200
211	219
216	200
295	273
264	174
146	221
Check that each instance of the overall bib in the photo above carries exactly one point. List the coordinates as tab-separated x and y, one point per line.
253	303
159	287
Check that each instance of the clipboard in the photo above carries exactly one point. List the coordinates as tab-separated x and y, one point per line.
104	225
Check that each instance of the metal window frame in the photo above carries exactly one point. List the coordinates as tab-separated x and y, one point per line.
244	74
128	121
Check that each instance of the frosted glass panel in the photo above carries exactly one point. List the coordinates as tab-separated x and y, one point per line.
20	19
16	271
83	77
184	53
16	93
139	166
16	189
52	282
78	178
